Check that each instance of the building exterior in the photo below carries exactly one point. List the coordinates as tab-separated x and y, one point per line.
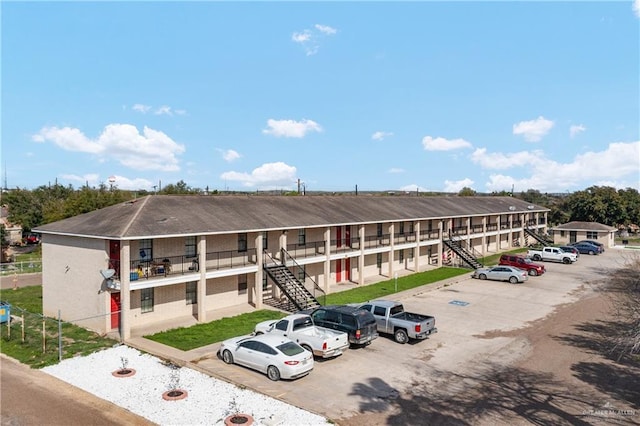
572	232
161	257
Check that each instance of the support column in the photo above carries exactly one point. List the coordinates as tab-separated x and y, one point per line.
202	282
327	261
440	243
361	235
257	291
484	235
416	254
392	253
125	290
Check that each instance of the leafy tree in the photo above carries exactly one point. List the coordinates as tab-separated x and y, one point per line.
534	196
180	187
596	204
467	192
4	244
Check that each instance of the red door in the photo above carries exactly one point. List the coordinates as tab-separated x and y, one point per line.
115	310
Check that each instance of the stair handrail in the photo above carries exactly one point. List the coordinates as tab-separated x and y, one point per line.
299	294
465	247
286	257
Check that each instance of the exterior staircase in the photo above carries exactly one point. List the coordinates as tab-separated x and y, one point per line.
296	296
538	237
466	254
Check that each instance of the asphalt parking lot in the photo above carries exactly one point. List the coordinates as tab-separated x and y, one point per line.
470	315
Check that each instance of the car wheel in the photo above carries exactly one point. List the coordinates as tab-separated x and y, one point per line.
307	348
591	252
537	257
273	373
258	333
482	276
566	261
513	280
533	272
401	336
227	357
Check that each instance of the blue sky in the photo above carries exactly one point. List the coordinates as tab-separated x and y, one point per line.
433	96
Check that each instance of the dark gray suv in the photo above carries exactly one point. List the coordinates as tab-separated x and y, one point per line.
358	323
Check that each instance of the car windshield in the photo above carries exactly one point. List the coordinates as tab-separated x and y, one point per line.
290	348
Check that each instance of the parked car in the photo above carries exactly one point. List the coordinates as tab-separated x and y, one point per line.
552	254
358	323
391	318
277	356
522	262
594	242
570	249
587	248
321	342
32	239
501	273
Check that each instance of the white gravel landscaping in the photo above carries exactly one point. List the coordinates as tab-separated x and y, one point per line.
208	402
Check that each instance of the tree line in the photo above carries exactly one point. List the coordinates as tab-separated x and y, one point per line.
50	203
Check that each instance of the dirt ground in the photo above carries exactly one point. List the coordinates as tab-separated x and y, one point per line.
566	377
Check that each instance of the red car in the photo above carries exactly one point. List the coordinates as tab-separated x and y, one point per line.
523	263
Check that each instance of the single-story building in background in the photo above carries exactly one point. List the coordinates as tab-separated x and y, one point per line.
572	232
163	257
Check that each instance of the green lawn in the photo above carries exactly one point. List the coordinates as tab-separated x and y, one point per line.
26	303
199	335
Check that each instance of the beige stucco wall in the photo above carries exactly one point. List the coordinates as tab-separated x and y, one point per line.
71	280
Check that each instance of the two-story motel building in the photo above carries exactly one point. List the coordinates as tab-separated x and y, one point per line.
160	257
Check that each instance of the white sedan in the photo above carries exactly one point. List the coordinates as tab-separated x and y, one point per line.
501	273
277	356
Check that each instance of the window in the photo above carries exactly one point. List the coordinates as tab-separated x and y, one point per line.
379	260
592	235
146	250
411	229
379	310
192	293
562	233
242	242
401	228
242	283
302	237
379	233
190	246
146	300
282	325
302	273
265	240
401	256
411	253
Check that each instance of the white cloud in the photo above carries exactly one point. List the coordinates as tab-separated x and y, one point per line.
267	176
378	136
575	129
325	29
291	128
180	111
309	39
533	130
163	110
501	161
151	150
441	144
413	188
457	185
141	108
91	178
618	163
636	7
395	170
230	155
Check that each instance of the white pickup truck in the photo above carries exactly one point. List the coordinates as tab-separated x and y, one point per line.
320	341
552	254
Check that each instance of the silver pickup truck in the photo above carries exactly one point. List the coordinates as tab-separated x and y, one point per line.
391	318
320	341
